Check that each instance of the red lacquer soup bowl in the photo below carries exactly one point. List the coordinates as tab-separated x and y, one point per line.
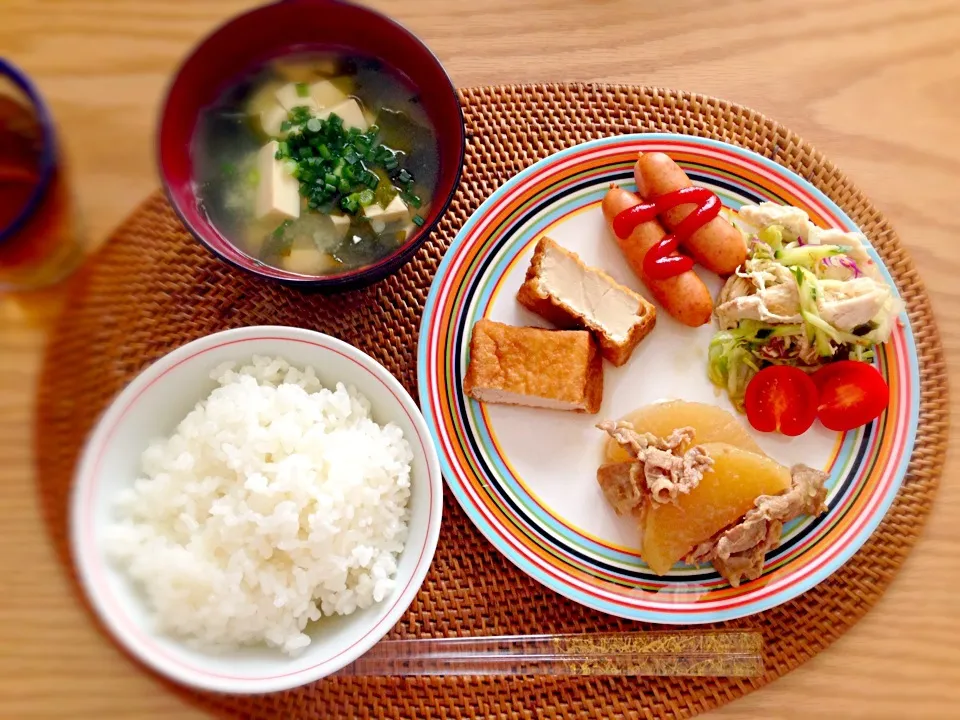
292	27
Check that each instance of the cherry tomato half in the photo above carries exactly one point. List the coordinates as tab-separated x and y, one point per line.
852	393
781	398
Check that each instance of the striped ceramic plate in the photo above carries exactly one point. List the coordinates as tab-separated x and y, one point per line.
526	477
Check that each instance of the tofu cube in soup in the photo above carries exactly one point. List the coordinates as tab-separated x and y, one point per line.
341	223
294	95
278	192
298	70
308	261
350	112
325	94
264	99
396	211
271	121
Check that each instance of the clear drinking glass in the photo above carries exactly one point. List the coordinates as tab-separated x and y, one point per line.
40	241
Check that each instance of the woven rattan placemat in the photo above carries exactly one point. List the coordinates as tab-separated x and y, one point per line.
153	288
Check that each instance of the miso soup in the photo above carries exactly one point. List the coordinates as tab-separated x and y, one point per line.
317	164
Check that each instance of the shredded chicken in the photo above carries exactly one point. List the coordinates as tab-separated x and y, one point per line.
762	306
797	224
763	291
739	551
852	293
854	242
807	351
735	287
794	220
853	303
667	471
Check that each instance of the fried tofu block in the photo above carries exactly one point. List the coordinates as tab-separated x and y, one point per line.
562	289
554	369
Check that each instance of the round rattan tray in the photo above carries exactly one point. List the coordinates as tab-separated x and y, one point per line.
153	288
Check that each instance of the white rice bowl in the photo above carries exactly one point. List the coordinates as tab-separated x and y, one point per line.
275	502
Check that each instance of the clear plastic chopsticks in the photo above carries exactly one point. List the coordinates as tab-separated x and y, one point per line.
720	653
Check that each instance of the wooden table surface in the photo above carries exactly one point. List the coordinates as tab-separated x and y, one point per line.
875	84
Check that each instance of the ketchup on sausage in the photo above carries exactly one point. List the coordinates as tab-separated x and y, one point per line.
662	261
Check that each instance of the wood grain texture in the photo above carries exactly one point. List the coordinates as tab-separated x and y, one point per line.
873	83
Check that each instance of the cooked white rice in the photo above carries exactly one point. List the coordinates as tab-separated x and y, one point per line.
274	502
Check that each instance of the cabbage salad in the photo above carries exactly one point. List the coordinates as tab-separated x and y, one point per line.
804	297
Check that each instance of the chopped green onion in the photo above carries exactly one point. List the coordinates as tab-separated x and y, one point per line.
349	204
340	167
285	126
299	115
418	220
302	89
411	199
385	194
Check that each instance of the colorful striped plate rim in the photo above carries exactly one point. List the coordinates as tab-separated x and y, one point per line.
866	466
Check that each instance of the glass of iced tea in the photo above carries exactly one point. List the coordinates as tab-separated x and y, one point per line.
39	233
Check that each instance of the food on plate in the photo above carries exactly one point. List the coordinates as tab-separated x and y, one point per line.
736	479
275	502
317	163
553	369
739	551
850	394
562	289
715	243
804	297
844	395
622	484
709	424
781	398
683	296
705	501
670	465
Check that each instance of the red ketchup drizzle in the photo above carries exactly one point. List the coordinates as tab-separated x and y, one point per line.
662	261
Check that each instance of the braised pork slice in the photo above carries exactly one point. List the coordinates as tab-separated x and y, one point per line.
739	551
623	486
667	471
